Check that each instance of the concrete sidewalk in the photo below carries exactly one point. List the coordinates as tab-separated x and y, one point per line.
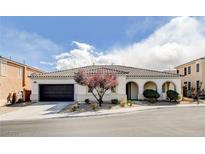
48	111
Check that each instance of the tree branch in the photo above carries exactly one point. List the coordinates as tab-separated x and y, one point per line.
97	92
104	92
95	95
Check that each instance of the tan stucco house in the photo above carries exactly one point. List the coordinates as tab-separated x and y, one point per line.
14	78
60	85
193	73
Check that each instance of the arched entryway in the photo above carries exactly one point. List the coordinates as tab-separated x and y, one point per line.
168	85
132	91
150	85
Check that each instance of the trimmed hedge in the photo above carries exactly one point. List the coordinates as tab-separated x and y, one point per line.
172	95
87	101
115	101
151	95
129	103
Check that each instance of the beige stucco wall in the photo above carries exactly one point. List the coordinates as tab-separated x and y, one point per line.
11	83
194	76
28	72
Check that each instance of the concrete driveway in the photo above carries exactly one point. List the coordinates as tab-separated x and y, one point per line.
38	110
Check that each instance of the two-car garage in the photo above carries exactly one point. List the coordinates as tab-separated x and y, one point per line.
56	92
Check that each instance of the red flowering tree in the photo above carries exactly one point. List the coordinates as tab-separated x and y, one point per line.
97	83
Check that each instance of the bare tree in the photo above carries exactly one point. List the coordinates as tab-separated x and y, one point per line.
198	91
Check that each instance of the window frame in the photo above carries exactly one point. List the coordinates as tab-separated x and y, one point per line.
20	72
197	67
189	70
197	85
3	68
189	86
185	71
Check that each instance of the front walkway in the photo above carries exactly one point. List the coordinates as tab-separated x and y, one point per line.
52	110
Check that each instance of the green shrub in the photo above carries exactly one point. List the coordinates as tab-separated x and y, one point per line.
173	95
110	107
87	101
123	103
115	101
129	103
151	95
74	108
94	106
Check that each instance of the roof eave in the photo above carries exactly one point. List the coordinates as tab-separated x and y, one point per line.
190	62
153	77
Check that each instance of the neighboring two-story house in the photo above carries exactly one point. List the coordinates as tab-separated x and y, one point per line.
14	78
193	74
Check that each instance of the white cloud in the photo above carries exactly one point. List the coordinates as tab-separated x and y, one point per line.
180	40
47	63
23	45
62	55
83	46
84	54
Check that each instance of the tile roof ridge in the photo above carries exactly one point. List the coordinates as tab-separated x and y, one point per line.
107	68
146	69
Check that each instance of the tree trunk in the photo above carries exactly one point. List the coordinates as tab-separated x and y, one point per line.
197	97
100	102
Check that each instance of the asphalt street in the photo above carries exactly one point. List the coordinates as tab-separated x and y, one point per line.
174	122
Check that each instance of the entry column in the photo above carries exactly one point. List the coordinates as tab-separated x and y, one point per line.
141	90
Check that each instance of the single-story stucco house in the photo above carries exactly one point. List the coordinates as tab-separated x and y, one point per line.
60	85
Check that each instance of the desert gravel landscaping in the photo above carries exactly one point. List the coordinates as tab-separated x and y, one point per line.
85	107
82	107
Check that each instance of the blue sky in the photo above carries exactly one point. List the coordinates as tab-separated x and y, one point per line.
38	40
102	32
